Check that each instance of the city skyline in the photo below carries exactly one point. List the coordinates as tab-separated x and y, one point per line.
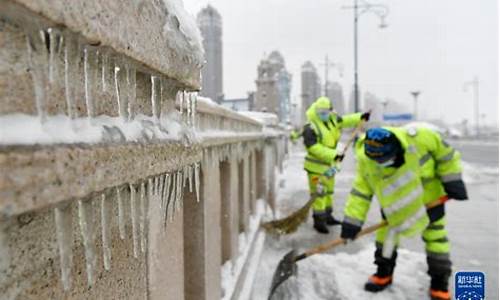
430	48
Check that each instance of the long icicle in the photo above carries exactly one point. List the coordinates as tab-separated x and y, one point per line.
86	217
121	214
106	233
133	216
64	231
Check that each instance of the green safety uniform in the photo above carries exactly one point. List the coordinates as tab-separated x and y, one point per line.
320	139
429	162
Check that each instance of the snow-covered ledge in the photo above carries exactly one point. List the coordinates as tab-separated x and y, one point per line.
110	164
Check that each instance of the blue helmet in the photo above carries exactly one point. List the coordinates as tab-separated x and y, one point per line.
381	144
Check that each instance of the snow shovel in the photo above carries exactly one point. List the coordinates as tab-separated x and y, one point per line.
291	223
288	264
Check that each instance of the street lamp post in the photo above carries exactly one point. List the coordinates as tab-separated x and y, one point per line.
415	95
359	9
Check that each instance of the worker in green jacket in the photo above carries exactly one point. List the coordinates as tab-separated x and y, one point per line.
405	168
321	135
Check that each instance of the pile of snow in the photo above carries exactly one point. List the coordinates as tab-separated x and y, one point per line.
20	129
342	276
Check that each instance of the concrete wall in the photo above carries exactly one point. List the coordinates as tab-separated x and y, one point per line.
117	181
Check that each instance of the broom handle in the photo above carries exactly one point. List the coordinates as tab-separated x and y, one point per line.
353	135
336	242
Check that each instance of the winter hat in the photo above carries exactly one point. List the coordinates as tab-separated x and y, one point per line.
381	144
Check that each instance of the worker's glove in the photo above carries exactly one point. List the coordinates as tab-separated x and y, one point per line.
456	189
331	172
365	116
349	231
339	157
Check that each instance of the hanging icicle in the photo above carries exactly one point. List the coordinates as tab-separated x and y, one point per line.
134	218
86	219
121	214
106	233
142	227
197	181
64	232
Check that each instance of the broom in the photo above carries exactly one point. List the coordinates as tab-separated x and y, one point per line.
291	223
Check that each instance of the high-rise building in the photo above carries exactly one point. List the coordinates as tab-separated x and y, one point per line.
210	24
310	85
273	86
336	95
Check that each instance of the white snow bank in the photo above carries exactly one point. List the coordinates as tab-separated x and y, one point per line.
20	129
342	276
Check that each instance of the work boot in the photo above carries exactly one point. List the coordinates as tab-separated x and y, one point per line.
385	268
330	219
378	283
439	288
439	295
320	223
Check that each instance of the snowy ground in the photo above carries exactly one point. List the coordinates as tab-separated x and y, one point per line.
341	273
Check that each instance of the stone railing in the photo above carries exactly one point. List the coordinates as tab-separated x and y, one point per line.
116	181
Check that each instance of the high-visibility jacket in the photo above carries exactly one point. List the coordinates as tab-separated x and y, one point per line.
403	192
320	156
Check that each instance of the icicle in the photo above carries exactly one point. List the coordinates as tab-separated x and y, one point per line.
133	216
166	197
197	181
154	99
36	46
131	83
86	217
188	109
64	231
166	189
117	91
180	181
160	190
173	194
69	77
190	177
105	69
106	233
143	200
55	40
121	214
88	70
181	101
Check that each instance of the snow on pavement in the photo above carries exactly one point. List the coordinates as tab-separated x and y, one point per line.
341	273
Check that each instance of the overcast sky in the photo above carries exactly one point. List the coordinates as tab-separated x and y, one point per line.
430	45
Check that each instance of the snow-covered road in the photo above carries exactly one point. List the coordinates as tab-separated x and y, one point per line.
341	273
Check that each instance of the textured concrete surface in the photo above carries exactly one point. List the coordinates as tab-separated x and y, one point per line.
202	238
229	209
34	269
142	30
36	177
